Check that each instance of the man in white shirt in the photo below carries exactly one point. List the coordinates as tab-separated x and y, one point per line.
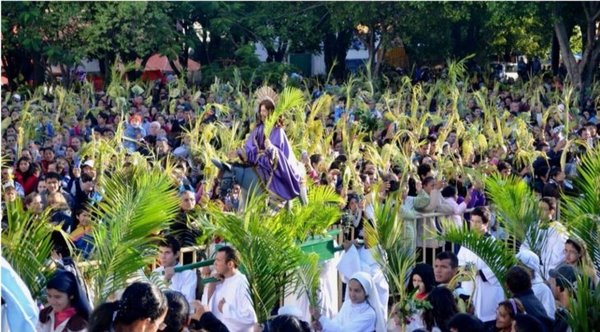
488	291
230	299
185	281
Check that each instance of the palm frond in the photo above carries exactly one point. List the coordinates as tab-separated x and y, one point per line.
290	99
27	243
517	210
581	212
308	279
392	239
498	257
269	254
137	204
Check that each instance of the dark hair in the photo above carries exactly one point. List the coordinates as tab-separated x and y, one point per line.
139	301
29	171
178	312
541	171
518	279
286	323
483	213
576	245
554	172
513	306
551	201
423	170
231	255
86	178
425	271
443	308
450	256
502	165
268	105
170	242
528	323
412	187
53	175
427	180
315	158
66	282
465	322
449	191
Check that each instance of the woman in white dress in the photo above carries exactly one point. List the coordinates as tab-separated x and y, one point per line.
362	312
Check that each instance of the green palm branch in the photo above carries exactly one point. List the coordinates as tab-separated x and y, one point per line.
27	244
137	204
582	313
270	254
581	212
393	238
290	99
517	210
308	279
321	211
496	254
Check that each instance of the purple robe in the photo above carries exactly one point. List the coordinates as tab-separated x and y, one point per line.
277	166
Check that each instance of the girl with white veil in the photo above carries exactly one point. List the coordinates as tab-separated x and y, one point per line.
361	312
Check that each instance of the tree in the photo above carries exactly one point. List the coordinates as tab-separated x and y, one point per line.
580	72
38	34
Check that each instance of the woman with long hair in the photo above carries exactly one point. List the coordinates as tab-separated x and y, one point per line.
142	308
68	308
272	157
421	280
443	309
506	313
25	175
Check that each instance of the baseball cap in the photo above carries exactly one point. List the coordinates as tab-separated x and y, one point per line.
89	163
565	275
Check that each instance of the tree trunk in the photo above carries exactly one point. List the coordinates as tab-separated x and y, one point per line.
566	54
581	73
555	54
175	70
335	48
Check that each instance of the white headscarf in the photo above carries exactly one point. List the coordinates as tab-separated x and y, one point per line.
372	299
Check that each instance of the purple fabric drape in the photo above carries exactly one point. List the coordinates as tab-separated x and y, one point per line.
276	166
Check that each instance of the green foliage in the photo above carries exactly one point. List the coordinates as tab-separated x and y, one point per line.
290	99
308	279
495	253
392	238
27	243
138	202
268	251
582	313
516	208
321	211
581	212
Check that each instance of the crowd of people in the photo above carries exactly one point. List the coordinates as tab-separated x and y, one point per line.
47	174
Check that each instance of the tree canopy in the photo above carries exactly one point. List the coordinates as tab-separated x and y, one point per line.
36	34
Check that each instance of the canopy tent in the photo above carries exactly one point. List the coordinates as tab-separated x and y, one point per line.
157	65
161	63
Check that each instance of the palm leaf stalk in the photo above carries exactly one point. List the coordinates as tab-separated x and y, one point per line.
517	210
290	99
138	202
498	257
27	244
580	213
270	254
582	313
392	238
